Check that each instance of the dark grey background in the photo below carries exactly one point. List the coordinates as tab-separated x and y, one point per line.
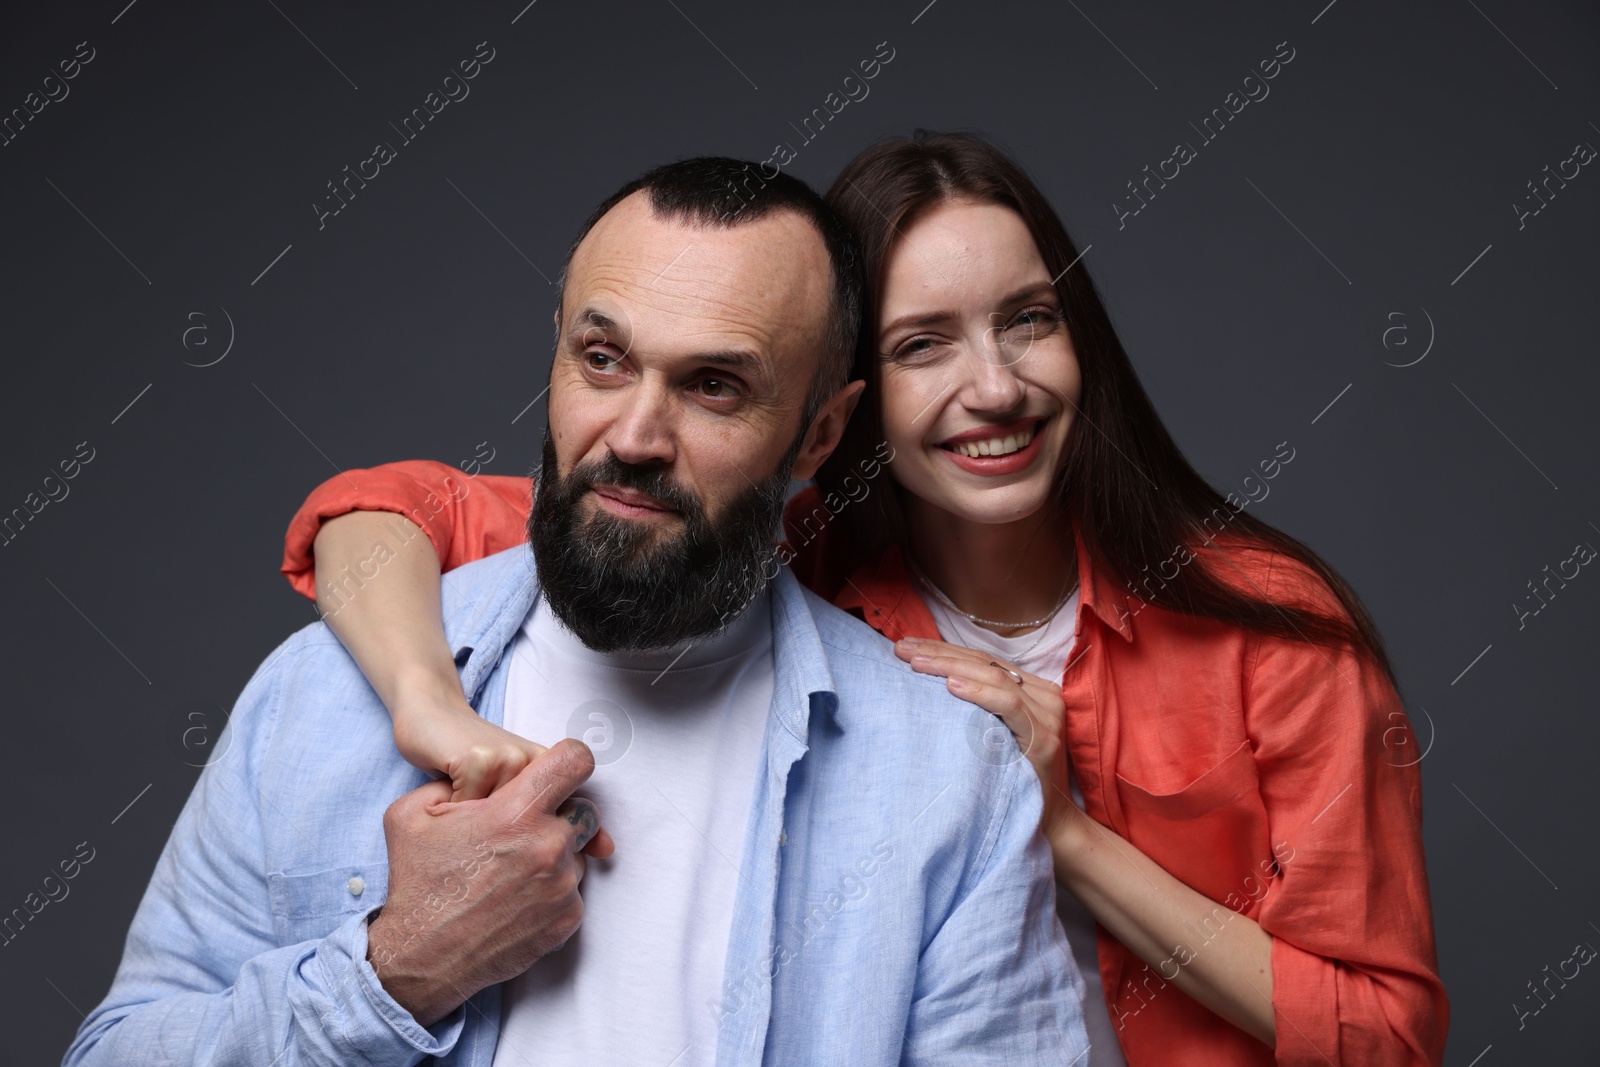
1253	292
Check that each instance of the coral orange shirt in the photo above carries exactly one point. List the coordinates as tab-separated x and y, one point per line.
1275	777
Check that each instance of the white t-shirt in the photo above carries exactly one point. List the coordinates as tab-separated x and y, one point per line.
1045	652
677	739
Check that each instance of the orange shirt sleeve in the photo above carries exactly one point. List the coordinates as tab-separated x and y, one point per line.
1355	977
821	554
805	558
466	517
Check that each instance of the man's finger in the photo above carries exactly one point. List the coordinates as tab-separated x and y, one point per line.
421	801
544	785
584	819
602	846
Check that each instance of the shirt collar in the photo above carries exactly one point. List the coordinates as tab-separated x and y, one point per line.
1099	594
484	610
881	590
484	605
800	663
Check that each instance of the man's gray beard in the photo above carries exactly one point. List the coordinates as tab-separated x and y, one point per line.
620	586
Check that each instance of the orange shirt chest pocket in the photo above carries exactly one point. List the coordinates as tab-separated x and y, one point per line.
1210	832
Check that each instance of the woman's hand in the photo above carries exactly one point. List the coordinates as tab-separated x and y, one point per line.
1033	711
477	756
390	622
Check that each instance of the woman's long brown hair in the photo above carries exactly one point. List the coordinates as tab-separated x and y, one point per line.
1124	483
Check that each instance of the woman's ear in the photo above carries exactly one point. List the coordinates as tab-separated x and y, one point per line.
826	429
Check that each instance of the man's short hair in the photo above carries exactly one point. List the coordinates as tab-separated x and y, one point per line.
722	192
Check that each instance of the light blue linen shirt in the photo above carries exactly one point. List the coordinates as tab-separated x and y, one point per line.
895	905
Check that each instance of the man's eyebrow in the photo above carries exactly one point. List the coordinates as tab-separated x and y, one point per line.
933	318
595	317
733	358
738	359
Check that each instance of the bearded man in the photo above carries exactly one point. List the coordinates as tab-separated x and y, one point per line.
811	863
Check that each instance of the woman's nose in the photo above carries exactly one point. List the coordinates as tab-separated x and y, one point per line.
994	385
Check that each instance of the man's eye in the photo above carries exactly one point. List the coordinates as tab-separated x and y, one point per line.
600	361
716	388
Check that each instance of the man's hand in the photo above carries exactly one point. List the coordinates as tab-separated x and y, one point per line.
480	890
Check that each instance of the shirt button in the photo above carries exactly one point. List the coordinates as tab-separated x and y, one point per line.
356	886
783	837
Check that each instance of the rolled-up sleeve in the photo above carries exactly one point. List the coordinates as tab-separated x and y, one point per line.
203	979
465	517
1354	972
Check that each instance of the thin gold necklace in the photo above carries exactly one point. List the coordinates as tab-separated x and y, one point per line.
1066	593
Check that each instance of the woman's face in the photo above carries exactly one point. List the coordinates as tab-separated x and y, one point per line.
980	381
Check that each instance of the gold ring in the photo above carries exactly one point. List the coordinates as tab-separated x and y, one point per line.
1014	675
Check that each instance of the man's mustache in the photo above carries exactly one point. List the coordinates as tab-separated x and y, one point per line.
654	482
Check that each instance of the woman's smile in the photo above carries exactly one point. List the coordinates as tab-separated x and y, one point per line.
998	449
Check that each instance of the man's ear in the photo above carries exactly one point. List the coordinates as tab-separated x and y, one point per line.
826	430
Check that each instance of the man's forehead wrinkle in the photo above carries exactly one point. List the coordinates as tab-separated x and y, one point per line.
760	310
725	293
701	311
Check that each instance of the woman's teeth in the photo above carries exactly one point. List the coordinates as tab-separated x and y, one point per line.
994	446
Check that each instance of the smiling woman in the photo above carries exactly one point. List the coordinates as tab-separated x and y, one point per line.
1174	755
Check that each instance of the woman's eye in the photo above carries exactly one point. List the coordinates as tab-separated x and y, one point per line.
916	346
1032	322
1038	317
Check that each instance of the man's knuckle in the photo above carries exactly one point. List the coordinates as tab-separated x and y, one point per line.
579	758
546	851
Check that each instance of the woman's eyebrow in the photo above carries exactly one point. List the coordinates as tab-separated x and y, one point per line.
934	318
928	318
1033	289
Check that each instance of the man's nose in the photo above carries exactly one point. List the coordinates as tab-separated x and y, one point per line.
641	433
